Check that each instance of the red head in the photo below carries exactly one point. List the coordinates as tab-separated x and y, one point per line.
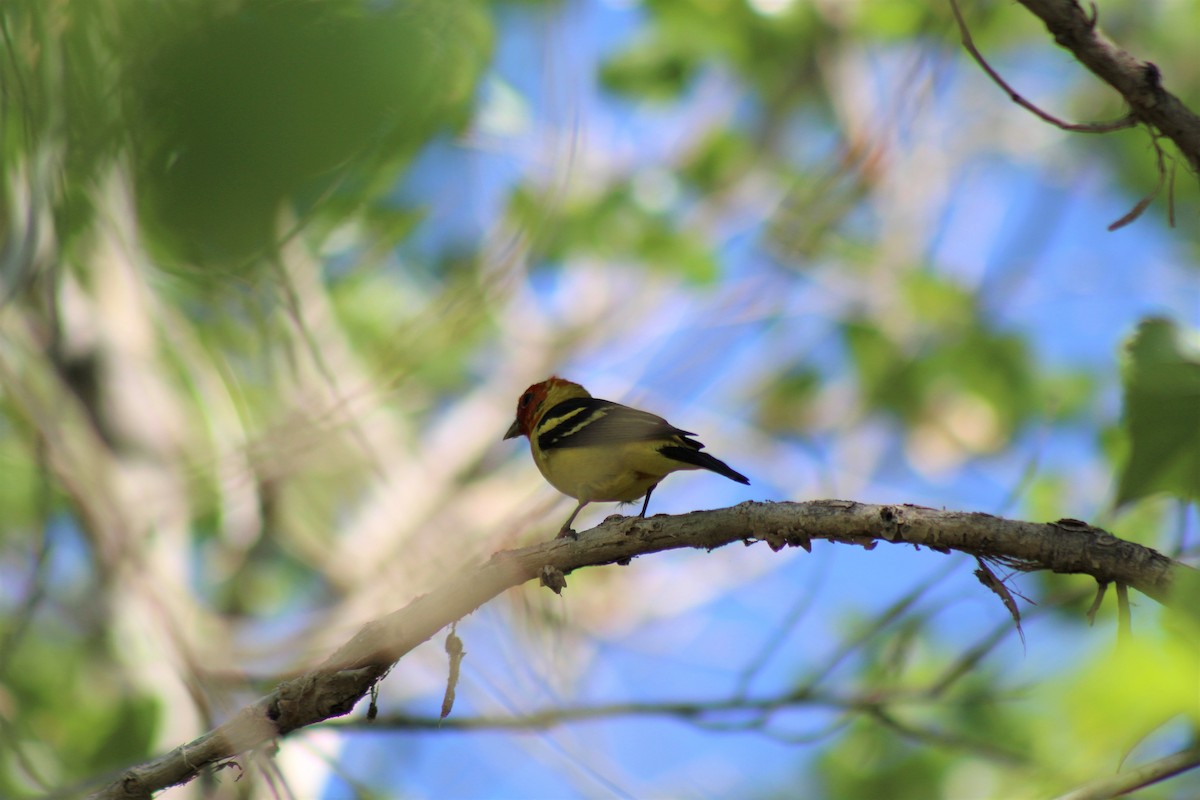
538	399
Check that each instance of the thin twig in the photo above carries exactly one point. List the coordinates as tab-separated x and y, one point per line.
1137	778
1127	121
1101	590
944	740
726	715
1145	202
1124	618
780	635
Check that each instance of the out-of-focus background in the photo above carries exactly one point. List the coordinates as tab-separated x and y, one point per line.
274	273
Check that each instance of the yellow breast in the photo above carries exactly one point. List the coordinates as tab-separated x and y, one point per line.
612	473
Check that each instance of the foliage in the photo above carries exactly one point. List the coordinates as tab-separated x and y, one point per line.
273	273
1162	415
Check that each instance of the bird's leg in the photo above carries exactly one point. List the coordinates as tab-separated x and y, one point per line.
646	504
565	531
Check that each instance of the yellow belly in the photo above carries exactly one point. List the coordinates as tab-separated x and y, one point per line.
617	473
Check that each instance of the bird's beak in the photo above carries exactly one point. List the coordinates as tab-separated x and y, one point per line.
514	430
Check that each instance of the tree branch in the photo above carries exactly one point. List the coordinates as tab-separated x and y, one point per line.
1140	777
333	689
1127	121
1139	82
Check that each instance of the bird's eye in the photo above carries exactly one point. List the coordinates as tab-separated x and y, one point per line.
525	398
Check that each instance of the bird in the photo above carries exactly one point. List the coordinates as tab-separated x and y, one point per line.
599	451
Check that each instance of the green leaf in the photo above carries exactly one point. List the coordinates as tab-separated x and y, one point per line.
720	159
785	407
649	70
1162	415
881	367
1122	698
239	113
613	225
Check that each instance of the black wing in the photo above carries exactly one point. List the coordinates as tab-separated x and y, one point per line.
583	421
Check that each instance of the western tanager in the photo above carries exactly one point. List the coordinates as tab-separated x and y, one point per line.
598	450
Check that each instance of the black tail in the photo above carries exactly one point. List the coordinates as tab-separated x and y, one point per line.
703	460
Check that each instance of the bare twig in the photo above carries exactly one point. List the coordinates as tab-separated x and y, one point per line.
780	635
733	714
1171	195
879	623
1127	121
1101	590
454	649
1145	202
1137	209
942	739
967	661
1124	618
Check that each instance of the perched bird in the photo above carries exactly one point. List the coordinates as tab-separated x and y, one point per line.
600	451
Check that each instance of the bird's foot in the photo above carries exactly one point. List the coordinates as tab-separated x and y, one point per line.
567	533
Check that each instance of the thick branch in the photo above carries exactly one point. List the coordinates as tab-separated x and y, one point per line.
1139	82
334	688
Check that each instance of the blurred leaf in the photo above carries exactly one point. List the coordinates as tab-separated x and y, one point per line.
889	20
1108	705
612	224
43	102
939	302
124	734
650	69
21	485
881	367
813	220
66	693
898	770
1068	393
236	113
773	53
1161	415
786	402
1184	611
389	225
952	372
669	249
721	158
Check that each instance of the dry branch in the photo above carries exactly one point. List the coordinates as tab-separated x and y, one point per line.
333	689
